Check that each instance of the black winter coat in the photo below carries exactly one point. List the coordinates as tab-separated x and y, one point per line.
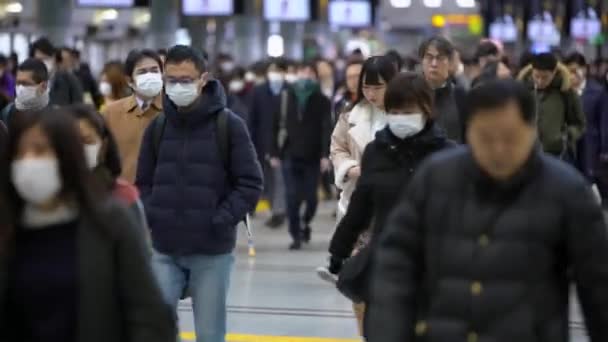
465	258
387	165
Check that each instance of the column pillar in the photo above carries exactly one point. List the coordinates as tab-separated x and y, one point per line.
164	22
54	18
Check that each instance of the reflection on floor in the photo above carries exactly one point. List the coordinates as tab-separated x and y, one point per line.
277	297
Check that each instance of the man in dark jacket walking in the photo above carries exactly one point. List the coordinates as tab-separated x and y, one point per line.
193	198
65	88
300	145
436	54
487	239
592	147
561	121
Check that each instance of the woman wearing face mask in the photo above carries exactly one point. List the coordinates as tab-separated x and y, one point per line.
354	130
389	162
113	84
101	153
129	117
75	267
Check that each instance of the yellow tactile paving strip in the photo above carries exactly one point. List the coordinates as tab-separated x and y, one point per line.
189	336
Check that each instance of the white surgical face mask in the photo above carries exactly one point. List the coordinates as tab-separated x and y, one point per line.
236	86
105	88
405	125
91	152
29	99
37	180
26	94
275	77
149	84
291	78
182	95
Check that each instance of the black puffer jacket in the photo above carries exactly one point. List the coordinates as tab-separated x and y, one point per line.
466	259
387	165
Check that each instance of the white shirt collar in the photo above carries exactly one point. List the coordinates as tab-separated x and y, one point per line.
141	103
581	89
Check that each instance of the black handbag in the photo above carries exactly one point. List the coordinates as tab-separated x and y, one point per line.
353	280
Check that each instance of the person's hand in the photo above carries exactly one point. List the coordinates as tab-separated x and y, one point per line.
325	165
275	162
354	172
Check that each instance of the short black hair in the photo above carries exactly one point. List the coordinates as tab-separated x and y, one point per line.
576	58
408	88
396	58
182	53
544	61
496	94
162	52
43	45
374	70
486	49
280	63
135	56
442	44
37	67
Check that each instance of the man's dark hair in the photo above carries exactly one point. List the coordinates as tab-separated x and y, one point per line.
576	58
496	94
136	56
43	45
280	63
37	67
442	44
409	88
396	58
486	49
182	53
544	62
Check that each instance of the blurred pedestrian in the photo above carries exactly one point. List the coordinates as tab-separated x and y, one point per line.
396	58
64	87
199	176
113	83
487	51
561	121
592	147
327	78
436	54
7	80
348	94
492	71
102	157
129	117
300	146
486	241
83	72
388	164
269	108
32	89
75	267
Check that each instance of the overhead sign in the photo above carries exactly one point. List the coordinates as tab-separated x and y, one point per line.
105	3
287	10
504	30
350	13
208	7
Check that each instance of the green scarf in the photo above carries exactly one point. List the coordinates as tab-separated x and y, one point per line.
304	89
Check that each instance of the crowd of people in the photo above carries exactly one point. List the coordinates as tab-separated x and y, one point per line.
465	186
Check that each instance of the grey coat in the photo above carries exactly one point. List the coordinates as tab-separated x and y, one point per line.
119	298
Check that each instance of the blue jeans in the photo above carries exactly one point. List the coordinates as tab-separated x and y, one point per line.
301	183
207	278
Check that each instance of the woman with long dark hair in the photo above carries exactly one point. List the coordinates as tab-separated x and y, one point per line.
355	129
74	266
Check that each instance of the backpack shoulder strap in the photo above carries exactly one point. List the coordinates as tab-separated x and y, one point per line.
157	134
6	112
223	137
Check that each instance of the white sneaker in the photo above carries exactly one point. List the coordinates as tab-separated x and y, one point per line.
323	273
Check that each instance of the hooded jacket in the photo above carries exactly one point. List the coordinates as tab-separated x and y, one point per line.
192	202
559	112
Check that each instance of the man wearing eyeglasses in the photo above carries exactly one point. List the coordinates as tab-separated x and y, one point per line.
436	54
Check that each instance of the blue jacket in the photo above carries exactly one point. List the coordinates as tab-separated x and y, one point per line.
595	140
192	202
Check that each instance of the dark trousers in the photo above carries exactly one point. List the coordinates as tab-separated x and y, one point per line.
301	180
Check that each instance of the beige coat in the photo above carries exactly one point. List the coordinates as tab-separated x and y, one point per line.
353	132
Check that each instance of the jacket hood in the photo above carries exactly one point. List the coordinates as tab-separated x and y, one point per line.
361	112
210	102
561	81
431	135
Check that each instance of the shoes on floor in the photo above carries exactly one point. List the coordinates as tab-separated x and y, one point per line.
325	274
306	234
295	246
276	221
